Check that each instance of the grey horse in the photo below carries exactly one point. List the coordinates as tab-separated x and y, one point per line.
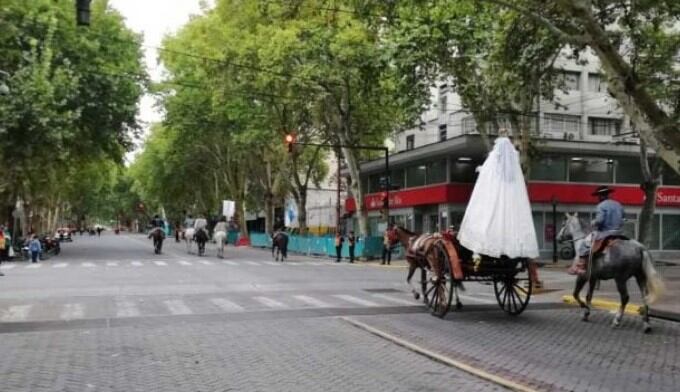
622	260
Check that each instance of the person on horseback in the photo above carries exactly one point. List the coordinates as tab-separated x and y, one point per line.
200	224
156	225
608	224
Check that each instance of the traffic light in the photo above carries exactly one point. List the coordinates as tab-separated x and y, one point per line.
290	141
83	12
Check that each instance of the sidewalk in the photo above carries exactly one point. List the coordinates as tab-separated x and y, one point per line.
559	284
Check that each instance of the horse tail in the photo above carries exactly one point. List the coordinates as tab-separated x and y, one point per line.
655	286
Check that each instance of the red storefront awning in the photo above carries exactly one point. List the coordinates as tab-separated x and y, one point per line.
539	192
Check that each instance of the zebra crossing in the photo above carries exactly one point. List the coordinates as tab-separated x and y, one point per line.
127	307
163	263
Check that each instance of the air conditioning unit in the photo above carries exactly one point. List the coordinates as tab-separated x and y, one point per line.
569	136
631	140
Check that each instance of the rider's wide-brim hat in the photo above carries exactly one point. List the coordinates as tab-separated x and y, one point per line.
602	190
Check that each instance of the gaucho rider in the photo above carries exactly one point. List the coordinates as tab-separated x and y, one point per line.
608	222
156	224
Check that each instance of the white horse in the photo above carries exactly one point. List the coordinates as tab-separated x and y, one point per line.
220	238
189	237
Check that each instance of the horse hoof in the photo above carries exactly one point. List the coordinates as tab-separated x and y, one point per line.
416	296
616	324
459	306
585	318
647	328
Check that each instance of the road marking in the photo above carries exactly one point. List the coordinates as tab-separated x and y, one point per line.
317	263
60	265
7	266
73	311
206	262
177	306
312	301
255	263
229	262
112	264
395	300
272	263
16	313
126	308
440	358
183	262
161	263
87	264
226	305
272	303
355	300
137	263
34	265
475	299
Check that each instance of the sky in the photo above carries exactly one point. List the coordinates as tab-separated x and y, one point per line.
154	19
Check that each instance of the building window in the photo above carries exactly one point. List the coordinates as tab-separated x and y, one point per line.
596	83
463	170
469	125
570	81
410	142
415	175
591	170
397	178
604	126
374	183
561	123
549	169
670	176
628	171
442	132
436	172
671	232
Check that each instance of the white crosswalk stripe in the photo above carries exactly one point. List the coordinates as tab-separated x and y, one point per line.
317	263
229	262
226	305
126	308
206	262
161	263
395	300
355	300
73	311
273	263
177	306
7	266
60	265
87	265
137	263
255	263
269	302
16	313
34	266
184	262
112	264
312	301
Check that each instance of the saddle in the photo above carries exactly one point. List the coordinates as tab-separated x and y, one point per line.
601	246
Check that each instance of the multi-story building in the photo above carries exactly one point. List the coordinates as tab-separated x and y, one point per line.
583	143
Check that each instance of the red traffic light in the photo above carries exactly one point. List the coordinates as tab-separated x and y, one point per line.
290	138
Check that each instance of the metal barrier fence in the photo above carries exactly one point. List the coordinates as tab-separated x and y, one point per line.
369	248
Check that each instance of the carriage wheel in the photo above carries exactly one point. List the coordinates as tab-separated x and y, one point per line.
511	296
440	290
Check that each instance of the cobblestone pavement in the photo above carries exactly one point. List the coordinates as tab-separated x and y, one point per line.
322	354
550	349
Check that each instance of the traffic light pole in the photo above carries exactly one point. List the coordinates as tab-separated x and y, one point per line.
359	147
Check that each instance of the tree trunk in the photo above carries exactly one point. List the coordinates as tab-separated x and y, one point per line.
355	187
301	201
651	179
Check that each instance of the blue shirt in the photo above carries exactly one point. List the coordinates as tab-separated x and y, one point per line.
35	246
609	216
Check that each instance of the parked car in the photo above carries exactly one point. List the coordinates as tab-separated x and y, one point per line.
64	234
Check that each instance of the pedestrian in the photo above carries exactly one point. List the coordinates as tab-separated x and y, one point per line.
387	245
338	246
3	242
35	248
351	241
178	228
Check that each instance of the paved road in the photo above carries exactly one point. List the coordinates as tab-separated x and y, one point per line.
109	315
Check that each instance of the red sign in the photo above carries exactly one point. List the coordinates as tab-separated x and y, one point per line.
539	192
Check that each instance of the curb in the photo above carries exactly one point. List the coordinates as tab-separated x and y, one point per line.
440	358
604	304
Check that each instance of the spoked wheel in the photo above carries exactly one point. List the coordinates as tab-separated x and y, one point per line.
439	292
511	296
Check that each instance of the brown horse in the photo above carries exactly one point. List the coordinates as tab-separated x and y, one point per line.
426	252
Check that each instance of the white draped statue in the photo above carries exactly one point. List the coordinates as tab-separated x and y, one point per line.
498	217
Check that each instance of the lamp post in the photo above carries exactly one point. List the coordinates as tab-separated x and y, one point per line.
554	232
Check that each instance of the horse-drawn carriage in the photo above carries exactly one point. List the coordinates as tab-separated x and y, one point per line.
449	264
